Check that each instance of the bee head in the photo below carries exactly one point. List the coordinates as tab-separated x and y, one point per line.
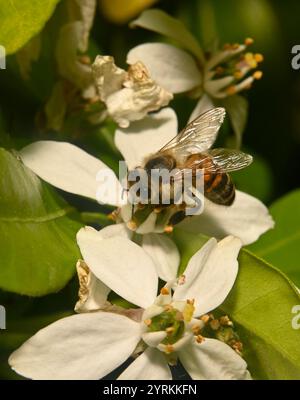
160	163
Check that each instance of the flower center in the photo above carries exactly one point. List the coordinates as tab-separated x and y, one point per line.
170	321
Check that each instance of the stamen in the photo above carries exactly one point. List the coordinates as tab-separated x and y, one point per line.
148	322
238	74
113	215
132	225
259	57
237	346
181	280
231	90
214	324
205	318
164	291
170	330
257	75
168	229
200	339
225	321
169	348
248	41
196	329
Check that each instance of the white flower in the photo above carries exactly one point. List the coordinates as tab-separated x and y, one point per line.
213	77
71	169
91	345
129	96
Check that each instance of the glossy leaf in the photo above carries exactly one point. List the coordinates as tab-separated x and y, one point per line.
280	246
38	249
21	20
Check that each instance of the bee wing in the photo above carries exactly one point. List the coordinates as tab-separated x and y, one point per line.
227	160
199	135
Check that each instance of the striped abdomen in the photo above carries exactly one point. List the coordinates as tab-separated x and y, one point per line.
219	188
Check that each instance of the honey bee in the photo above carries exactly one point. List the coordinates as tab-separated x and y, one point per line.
190	149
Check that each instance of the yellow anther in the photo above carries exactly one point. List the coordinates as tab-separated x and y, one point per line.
257	75
205	318
248	41
231	90
214	324
168	229
196	329
113	215
225	320
238	346
200	339
235	46
238	74
157	210
258	57
192	302
131	225
170	330
164	291
169	348
250	60
148	322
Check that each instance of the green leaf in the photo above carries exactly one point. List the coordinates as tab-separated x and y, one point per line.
160	22
21	20
280	246
38	249
260	304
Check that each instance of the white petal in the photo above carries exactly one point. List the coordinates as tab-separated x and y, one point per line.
210	274
84	346
108	77
164	253
153	339
146	137
172	68
92	292
87	10
204	104
148	225
69	168
150	365
213	360
122	265
247	219
112	231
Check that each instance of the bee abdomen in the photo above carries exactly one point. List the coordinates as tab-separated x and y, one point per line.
219	189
